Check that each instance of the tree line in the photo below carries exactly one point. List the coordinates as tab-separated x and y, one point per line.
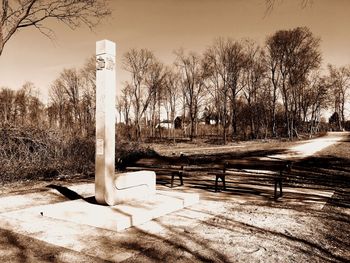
247	90
234	89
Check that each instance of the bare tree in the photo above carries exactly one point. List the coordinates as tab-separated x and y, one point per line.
236	64
71	84
314	99
193	84
254	73
15	15
57	109
272	63
27	108
138	63
155	84
21	107
36	109
270	4
21	101
217	61
297	54
7	98
72	99
340	83
65	97
172	92
87	76
124	102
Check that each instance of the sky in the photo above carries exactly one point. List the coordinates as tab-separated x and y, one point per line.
163	26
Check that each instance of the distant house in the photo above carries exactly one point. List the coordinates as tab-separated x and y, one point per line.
181	122
165	124
207	120
209	117
178	122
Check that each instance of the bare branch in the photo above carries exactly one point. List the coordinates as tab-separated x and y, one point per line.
33	13
270	4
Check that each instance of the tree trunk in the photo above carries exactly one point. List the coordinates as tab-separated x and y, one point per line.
234	118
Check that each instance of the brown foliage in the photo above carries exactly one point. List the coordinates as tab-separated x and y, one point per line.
30	152
33	153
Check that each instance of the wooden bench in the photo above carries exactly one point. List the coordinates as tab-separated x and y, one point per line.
174	165
177	166
264	167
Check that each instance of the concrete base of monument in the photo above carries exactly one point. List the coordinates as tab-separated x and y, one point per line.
133	186
116	218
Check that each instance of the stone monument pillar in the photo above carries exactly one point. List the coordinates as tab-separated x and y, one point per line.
105	120
112	188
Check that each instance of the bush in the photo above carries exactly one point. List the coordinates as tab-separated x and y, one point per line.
31	152
80	155
27	153
35	153
129	152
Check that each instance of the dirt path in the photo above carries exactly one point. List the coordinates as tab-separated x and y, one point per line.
308	148
203	148
195	149
293	150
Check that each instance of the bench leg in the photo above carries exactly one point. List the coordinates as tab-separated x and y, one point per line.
172	179
278	181
222	177
275	192
179	174
281	193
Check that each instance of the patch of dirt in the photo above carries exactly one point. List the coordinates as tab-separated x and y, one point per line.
15	247
32	186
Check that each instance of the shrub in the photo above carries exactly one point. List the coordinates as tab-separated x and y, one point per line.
27	152
35	153
129	152
31	152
